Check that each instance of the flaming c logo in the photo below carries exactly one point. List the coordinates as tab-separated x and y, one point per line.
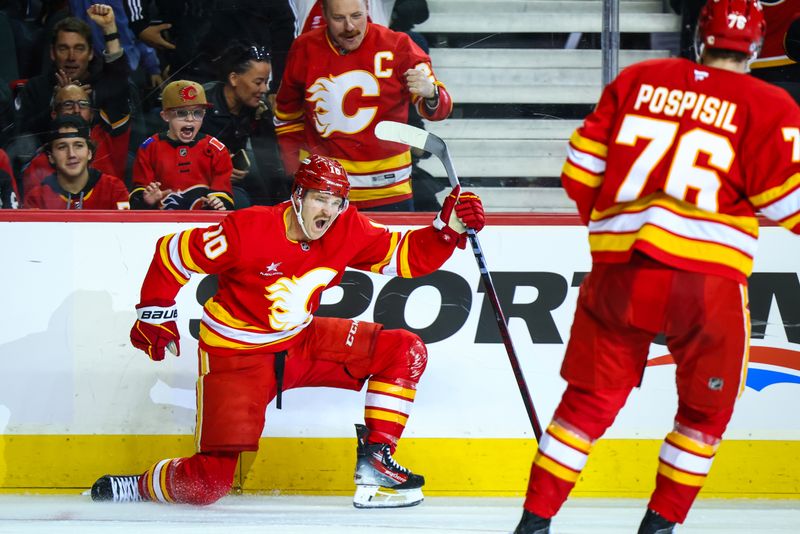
188	93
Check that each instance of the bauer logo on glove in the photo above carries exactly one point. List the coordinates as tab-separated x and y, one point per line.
156	330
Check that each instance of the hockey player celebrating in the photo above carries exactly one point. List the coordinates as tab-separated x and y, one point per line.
668	173
259	336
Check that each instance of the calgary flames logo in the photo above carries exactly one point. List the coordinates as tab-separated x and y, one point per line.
188	93
290	297
329	94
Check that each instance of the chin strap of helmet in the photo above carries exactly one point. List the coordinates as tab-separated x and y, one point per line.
297	207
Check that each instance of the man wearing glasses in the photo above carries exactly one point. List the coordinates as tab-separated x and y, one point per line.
110	133
73	64
182	168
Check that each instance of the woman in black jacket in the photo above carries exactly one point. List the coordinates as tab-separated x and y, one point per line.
240	117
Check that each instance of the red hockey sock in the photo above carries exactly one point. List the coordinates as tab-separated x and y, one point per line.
683	465
580	419
399	361
201	479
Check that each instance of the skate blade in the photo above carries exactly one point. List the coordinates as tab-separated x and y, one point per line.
382	497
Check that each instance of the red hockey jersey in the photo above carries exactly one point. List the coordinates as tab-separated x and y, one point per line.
675	160
9	198
329	103
778	14
102	192
110	155
180	167
270	286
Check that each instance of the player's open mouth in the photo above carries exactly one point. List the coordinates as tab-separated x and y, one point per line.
320	223
187	131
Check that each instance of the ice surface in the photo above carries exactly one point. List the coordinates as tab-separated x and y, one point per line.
23	514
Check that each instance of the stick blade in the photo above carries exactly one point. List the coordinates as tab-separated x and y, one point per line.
397	132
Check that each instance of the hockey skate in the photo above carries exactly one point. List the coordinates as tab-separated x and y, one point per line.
655	524
117	488
532	524
380	481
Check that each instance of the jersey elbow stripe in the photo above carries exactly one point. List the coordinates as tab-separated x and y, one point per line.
576	174
283	130
378	267
584	144
166	260
774	193
786	207
392	267
586	161
174	248
404	266
287	115
186	255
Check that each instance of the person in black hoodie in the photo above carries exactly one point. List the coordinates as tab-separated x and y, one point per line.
240	117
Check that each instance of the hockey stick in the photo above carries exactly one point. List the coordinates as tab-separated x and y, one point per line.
409	135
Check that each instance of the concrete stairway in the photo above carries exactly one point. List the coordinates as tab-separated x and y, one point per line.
491	152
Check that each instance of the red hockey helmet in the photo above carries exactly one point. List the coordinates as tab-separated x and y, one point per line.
736	25
323	174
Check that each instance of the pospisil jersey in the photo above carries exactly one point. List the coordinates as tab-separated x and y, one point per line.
675	160
329	104
270	286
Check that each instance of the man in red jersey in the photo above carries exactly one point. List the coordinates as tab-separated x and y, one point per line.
74	185
110	135
342	80
668	173
259	336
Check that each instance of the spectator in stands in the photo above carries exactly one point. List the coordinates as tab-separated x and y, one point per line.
110	133
239	117
72	55
190	32
777	61
337	121
309	14
404	15
689	11
182	168
74	185
74	63
139	55
9	199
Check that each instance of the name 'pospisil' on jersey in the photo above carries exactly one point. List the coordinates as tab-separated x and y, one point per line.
709	110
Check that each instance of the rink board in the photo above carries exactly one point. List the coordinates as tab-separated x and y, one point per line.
76	401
